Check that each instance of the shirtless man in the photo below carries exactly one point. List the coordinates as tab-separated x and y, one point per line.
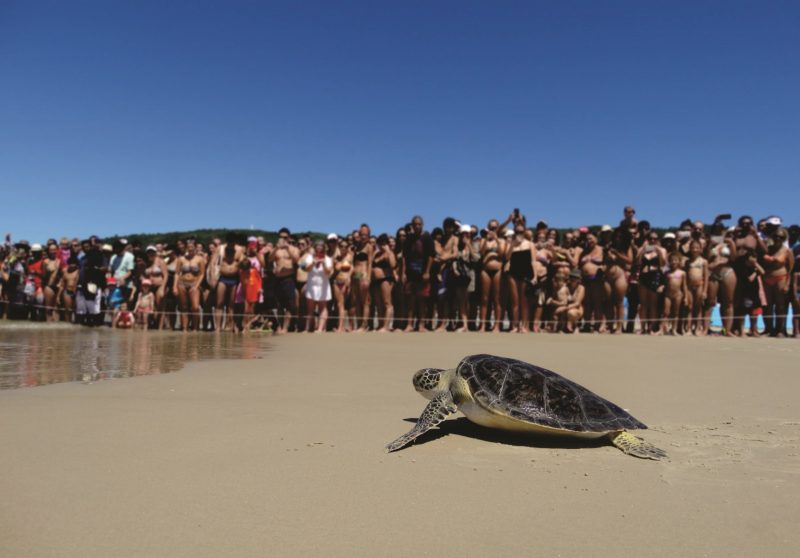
342	258
746	240
284	260
415	272
778	263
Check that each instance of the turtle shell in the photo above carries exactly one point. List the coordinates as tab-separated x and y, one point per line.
534	394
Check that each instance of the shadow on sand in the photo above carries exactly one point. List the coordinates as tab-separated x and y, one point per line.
463	427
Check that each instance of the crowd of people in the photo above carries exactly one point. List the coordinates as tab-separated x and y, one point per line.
508	276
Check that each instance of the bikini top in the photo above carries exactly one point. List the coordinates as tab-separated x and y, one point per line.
193	269
154	271
585	259
361	257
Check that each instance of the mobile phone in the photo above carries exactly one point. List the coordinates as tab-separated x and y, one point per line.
516	213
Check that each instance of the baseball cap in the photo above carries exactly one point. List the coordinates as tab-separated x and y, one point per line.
606	228
669	235
151	248
36	247
774	220
333	236
465	229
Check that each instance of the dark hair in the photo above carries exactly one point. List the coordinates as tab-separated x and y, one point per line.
436	231
448	223
284	230
644	225
744	218
383	239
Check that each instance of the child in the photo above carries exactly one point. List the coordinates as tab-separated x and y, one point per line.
697	280
676	293
574	307
145	305
123	319
557	303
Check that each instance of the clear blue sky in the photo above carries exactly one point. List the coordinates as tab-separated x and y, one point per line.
122	117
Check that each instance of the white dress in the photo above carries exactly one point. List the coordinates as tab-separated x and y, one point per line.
318	284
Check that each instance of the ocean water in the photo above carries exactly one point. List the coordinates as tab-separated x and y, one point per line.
41	354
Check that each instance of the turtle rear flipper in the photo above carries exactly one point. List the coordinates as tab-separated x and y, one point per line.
635	446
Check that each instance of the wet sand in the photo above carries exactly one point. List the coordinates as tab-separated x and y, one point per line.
283	456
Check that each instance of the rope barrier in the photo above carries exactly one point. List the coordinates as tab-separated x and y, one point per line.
476	321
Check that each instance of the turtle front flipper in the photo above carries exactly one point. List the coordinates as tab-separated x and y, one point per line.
635	446
440	407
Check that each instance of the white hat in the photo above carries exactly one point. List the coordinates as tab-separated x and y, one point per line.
333	236
252	239
669	235
776	221
151	248
465	229
107	248
606	228
36	247
509	232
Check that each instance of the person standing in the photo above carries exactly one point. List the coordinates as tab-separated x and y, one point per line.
415	273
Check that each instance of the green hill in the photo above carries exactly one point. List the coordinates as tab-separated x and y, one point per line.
203	236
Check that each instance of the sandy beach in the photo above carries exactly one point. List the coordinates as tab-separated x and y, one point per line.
283	456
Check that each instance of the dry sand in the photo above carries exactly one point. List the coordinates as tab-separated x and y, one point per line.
283	456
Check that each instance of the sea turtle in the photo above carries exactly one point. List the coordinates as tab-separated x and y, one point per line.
509	394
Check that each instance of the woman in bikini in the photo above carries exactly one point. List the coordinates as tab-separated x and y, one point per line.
777	262
383	266
721	279
650	259
461	277
491	249
68	287
190	270
156	272
697	282
619	258
520	255
360	283
592	263
545	256
228	282
51	268
339	253
169	314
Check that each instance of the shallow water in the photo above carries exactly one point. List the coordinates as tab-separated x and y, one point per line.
40	354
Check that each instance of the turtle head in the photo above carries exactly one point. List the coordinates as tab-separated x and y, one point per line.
429	381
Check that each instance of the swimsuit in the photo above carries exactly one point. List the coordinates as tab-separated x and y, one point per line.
520	265
650	274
